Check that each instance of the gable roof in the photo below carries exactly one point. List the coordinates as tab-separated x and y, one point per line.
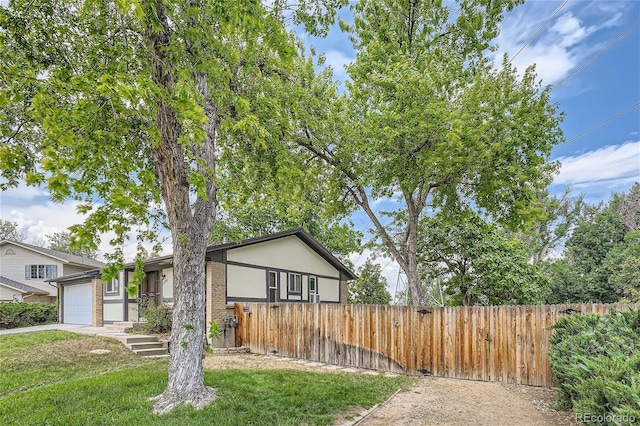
303	235
21	287
58	255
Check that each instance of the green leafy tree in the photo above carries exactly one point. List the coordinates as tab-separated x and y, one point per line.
370	288
62	241
127	108
600	258
562	214
429	122
9	231
259	209
477	263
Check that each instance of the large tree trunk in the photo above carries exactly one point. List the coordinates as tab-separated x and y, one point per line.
190	225
186	380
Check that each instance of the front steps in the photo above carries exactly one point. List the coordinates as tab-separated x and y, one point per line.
141	345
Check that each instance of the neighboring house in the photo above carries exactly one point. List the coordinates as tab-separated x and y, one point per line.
25	269
287	266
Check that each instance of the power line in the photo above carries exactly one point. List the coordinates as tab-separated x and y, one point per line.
539	30
620	37
600	124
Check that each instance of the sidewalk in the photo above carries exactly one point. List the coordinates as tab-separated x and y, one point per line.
75	328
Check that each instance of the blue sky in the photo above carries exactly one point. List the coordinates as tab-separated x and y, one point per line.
598	163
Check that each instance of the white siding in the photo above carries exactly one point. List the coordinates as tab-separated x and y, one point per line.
112	311
288	253
246	282
6	294
283	285
72	269
167	283
12	266
329	290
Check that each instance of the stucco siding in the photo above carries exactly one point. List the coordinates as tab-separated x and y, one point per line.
113	311
167	285
329	290
287	253
246	282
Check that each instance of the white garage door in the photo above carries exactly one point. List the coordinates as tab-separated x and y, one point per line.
76	307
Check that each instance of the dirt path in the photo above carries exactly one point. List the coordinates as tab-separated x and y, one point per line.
433	401
437	401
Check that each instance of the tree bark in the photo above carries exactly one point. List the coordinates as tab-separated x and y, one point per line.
190	225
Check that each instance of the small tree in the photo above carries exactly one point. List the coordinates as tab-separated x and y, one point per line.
370	288
62	241
9	231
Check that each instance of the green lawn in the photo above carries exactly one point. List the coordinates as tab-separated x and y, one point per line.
50	378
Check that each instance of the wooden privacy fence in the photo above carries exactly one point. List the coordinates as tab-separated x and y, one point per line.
487	343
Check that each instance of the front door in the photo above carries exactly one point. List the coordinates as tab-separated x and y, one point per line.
149	291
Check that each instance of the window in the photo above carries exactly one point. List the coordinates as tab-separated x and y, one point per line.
273	286
40	272
295	283
312	284
112	286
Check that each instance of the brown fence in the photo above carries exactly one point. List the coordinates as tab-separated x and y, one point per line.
487	343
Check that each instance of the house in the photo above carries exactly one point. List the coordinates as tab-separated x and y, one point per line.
289	266
25	269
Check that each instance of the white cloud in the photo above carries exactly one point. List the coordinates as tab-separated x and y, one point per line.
33	211
615	165
561	46
337	60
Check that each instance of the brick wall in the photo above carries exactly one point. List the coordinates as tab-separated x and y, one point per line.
97	302
216	303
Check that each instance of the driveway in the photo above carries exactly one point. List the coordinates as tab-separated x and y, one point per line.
68	327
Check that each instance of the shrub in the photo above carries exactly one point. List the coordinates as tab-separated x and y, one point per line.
595	361
23	314
158	318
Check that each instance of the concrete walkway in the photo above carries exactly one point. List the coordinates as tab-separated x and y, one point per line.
75	328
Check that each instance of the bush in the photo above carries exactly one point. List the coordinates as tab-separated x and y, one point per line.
158	318
23	314
595	361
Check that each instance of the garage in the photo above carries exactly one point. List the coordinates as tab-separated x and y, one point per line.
77	304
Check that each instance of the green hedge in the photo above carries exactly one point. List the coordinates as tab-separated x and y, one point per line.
23	314
595	361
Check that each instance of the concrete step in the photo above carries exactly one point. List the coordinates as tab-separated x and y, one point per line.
112	327
140	339
149	345
151	352
125	324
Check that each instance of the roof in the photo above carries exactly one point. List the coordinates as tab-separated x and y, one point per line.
303	235
92	273
59	255
22	288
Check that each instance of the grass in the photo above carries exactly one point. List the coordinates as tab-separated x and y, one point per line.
116	391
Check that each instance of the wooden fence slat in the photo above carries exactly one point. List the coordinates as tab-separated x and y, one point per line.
498	343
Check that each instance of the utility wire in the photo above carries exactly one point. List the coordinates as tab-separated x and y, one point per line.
539	30
620	37
599	124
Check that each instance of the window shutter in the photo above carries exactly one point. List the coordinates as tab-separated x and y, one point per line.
27	272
